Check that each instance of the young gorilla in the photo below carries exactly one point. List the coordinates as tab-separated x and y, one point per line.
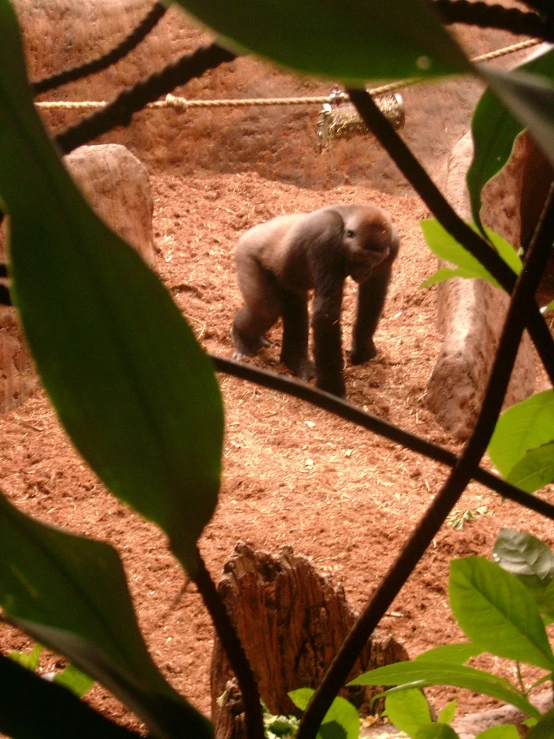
280	261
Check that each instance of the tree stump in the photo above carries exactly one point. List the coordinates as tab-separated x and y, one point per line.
291	622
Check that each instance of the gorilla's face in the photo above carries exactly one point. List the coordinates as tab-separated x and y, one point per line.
369	238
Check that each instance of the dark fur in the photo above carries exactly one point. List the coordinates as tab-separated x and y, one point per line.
280	261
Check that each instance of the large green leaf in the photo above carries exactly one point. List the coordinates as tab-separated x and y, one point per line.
534	470
31	707
494	130
341	720
445	247
530	98
522	427
408	675
365	39
134	390
526	557
495	611
408	711
70	592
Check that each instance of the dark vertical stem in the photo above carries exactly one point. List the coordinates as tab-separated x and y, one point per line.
452	489
233	648
449	219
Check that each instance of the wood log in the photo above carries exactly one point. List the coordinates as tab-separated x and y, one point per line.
291	621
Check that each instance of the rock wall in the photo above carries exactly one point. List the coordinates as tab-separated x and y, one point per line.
278	142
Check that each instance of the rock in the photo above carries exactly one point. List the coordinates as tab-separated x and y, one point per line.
291	622
117	187
471	312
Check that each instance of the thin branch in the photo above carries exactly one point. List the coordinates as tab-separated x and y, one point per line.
234	650
348	412
450	492
120	111
483	15
106	60
449	219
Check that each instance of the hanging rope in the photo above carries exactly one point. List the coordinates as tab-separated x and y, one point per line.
180	103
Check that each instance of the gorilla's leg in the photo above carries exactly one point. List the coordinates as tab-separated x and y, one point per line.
296	325
261	310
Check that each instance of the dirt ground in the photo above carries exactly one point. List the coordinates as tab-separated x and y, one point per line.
292	474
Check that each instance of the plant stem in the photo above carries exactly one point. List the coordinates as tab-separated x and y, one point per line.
233	648
452	489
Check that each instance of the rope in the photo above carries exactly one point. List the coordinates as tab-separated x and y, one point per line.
179	103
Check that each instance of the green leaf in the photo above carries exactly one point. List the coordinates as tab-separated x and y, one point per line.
301	697
408	711
494	130
436	731
446	273
422	674
445	247
446	716
341	720
544	728
545	602
496	611
505	250
31	707
28	660
507	731
74	680
70	593
325	40
526	557
530	98
534	470
131	385
522	427
456	654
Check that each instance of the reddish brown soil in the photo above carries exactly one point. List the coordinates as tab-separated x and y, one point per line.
293	474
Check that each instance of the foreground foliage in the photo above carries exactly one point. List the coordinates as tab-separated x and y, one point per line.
141	403
502	607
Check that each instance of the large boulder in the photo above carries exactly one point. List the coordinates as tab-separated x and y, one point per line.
117	187
471	313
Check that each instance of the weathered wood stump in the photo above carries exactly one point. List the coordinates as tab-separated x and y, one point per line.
291	621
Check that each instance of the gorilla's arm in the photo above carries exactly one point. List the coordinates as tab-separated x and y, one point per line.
328	265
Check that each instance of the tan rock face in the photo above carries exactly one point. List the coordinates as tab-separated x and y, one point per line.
117	187
472	312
